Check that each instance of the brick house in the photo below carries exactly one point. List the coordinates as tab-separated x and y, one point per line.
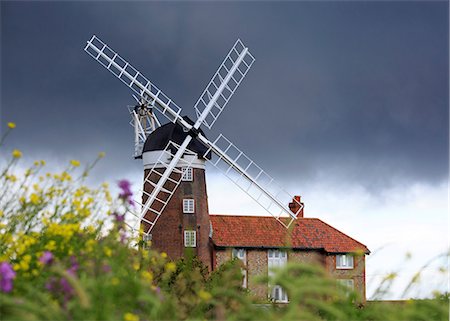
260	242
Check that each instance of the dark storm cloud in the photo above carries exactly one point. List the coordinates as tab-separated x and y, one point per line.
354	90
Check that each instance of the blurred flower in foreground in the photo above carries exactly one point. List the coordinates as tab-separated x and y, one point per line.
16	153
11	125
74	163
126	192
130	317
46	258
7	275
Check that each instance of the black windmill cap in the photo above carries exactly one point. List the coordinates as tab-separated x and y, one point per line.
174	132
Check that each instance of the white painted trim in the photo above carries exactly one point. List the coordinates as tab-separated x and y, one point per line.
149	160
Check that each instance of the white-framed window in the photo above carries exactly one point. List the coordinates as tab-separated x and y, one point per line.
190	238
187	174
188	205
348	283
344	261
278	294
241	254
277	259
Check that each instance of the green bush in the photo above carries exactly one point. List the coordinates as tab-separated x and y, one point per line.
65	254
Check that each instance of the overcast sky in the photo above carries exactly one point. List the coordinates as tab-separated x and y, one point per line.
346	103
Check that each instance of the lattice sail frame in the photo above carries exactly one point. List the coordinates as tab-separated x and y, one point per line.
152	178
132	78
253	180
209	106
244	59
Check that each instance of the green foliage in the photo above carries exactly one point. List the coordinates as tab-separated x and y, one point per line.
66	255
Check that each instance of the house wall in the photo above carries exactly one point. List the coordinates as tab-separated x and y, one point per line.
357	274
257	264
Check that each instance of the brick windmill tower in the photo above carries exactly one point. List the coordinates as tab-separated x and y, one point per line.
174	209
186	224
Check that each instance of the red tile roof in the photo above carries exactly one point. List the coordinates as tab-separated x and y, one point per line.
264	231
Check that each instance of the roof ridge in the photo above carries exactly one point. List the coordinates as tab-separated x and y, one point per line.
262	216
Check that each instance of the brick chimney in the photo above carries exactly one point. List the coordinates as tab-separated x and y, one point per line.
295	206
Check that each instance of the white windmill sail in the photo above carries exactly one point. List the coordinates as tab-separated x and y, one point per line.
253	180
148	212
235	66
193	132
166	175
109	59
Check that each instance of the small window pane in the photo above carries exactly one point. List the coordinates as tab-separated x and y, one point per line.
348	283
188	206
187	176
190	239
239	253
344	261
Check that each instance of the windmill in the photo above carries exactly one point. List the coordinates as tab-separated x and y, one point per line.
175	159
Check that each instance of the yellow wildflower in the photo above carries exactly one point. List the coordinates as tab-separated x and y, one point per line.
101	154
42	162
88	201
11	125
147	276
115	281
163	255
171	267
25	263
36	163
107	251
11	177
16	153
205	296
35	199
136	266
74	163
130	317
50	246
65	177
90	245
